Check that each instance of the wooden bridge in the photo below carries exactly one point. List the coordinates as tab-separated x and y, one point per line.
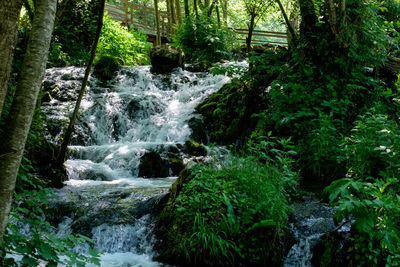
143	19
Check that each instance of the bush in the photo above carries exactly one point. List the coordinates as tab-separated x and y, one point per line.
373	206
203	39
230	212
128	46
106	67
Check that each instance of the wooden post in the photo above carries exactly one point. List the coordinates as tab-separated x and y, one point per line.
157	22
126	13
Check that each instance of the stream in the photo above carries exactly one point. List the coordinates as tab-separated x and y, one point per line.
104	197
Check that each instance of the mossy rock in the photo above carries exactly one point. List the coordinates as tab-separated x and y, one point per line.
176	165
153	166
106	68
195	149
228	113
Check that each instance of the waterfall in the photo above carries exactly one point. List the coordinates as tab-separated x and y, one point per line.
119	122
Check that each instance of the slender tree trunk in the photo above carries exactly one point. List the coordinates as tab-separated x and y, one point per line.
289	26
178	12
67	137
225	12
29	10
218	15
60	10
210	10
22	109
9	16
196	10
169	11
157	23
187	11
251	29
173	11
308	18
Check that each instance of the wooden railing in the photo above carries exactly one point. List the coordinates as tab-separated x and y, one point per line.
263	37
142	18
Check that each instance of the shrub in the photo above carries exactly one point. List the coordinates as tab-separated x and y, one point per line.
373	206
203	39
116	41
106	68
232	211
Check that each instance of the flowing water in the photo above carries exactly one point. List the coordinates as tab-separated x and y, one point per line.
139	111
309	221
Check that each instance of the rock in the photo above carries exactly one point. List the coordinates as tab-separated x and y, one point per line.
152	165
200	66
176	165
106	68
164	58
199	133
195	149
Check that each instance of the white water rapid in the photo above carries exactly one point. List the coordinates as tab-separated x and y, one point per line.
137	112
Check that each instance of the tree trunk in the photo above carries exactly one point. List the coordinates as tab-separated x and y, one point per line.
29	10
9	16
67	137
178	12
225	12
196	10
289	26
251	29
173	13
308	18
157	22
22	109
218	15
187	11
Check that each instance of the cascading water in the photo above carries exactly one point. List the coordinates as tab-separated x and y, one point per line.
104	197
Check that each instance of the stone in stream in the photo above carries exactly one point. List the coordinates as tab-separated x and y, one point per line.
164	58
152	166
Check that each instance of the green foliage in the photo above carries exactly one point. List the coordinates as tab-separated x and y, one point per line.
233	211
373	147
106	67
38	243
116	41
203	38
374	207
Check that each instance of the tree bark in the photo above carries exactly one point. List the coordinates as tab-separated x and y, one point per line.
22	109
251	29
225	12
178	12
67	137
289	26
196	10
9	16
308	18
157	22
187	11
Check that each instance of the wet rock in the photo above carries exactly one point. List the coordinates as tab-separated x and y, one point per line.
176	165
199	133
152	165
200	66
195	149
331	250
132	108
106	68
164	58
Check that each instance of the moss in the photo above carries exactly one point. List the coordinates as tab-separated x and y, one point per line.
195	149
152	165
106	68
228	113
176	165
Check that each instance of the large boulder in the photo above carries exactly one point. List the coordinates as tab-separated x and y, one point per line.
164	58
153	166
